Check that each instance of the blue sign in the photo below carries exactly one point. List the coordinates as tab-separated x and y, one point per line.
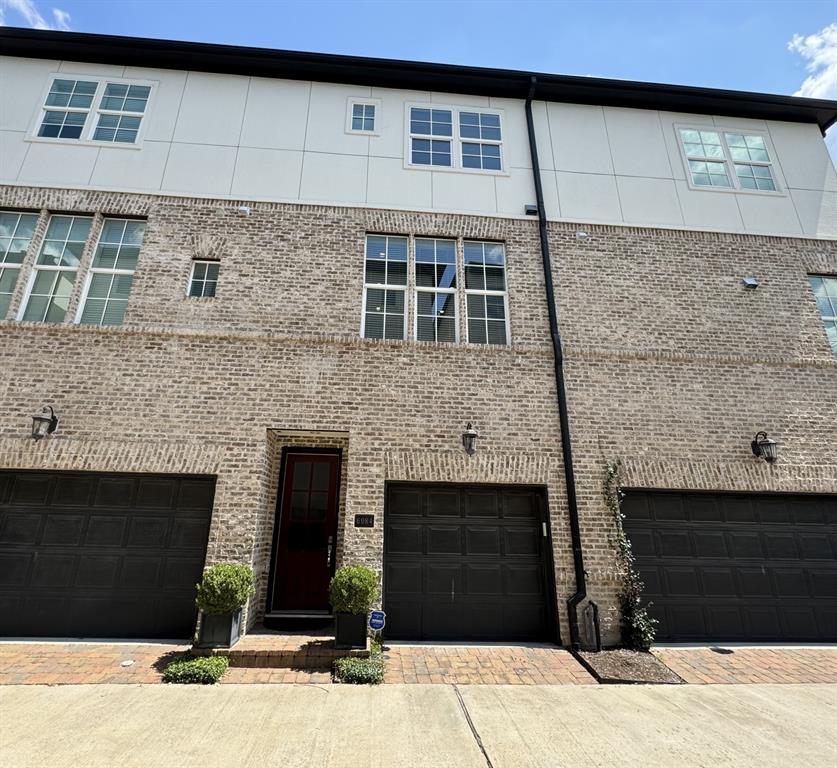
377	619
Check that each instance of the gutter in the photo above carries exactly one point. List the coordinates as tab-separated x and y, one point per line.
558	355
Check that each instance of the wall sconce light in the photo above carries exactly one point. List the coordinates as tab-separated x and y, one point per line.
469	439
530	210
44	423
765	448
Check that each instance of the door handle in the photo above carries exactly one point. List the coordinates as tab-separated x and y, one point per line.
452	590
328	552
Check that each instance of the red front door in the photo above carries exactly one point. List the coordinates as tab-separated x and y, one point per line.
307	518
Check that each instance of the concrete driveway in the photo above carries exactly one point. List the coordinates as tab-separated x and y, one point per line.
154	726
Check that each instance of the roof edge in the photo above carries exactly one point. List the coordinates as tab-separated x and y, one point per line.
410	75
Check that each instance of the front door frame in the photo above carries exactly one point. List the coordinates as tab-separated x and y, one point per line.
277	519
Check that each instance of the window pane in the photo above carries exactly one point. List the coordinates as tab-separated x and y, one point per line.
93	311
374	326
376	271
496	332
446	329
426	329
476	305
476	332
475	277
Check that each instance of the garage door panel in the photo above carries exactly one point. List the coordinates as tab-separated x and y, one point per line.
765	571
105	531
30	490
72	491
14	568
63	530
484	579
20	528
87	562
405	539
53	569
115	492
484	540
480	574
522	542
443	540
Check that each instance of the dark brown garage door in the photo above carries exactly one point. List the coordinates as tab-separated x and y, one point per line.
466	563
101	555
737	566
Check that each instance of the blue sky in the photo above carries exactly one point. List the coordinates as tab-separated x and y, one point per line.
765	45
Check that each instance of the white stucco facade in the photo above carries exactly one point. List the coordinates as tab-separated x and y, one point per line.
253	138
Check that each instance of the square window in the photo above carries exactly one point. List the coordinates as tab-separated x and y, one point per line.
361	117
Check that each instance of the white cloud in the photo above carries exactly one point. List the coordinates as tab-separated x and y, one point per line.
13	12
820	54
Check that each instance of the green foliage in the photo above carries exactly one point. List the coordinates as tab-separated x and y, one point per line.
354	589
204	670
225	588
359	671
637	626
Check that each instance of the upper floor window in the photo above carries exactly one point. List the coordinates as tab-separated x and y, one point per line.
452	138
204	279
52	280
485	293
111	274
728	159
16	230
825	292
118	108
362	116
385	287
436	290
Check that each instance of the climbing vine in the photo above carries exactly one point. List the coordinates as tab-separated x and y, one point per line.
638	627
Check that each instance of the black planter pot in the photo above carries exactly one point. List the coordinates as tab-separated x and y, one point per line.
350	631
219	630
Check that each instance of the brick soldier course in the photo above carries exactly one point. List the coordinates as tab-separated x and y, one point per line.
671	367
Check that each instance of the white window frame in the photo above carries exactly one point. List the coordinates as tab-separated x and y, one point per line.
350	104
405	289
729	164
486	292
195	262
10	265
36	268
88	279
824	317
455	139
94	111
428	289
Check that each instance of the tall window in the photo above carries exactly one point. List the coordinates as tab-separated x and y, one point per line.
485	292
112	272
435	290
55	271
825	292
466	139
16	231
728	159
385	287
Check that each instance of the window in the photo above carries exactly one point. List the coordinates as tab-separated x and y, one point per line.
435	290
16	231
448	137
712	154
120	107
362	117
825	292
385	285
111	273
204	279
485	293
55	270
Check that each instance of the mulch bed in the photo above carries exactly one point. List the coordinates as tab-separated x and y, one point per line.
623	666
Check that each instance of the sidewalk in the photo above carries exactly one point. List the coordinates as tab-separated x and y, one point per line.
418	726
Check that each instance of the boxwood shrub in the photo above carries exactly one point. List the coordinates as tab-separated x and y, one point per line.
354	589
225	587
204	670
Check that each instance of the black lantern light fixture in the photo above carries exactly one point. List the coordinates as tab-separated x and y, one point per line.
44	423
469	439
765	448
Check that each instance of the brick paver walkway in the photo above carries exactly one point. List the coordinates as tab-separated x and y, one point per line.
751	665
514	665
83	663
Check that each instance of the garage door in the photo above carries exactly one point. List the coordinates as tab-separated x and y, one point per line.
737	567
101	555
466	563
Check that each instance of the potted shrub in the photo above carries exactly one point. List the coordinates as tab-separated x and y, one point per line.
224	589
352	593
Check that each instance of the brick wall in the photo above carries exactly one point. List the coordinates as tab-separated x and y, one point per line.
671	366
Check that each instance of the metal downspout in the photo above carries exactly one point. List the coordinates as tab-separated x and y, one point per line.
563	415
